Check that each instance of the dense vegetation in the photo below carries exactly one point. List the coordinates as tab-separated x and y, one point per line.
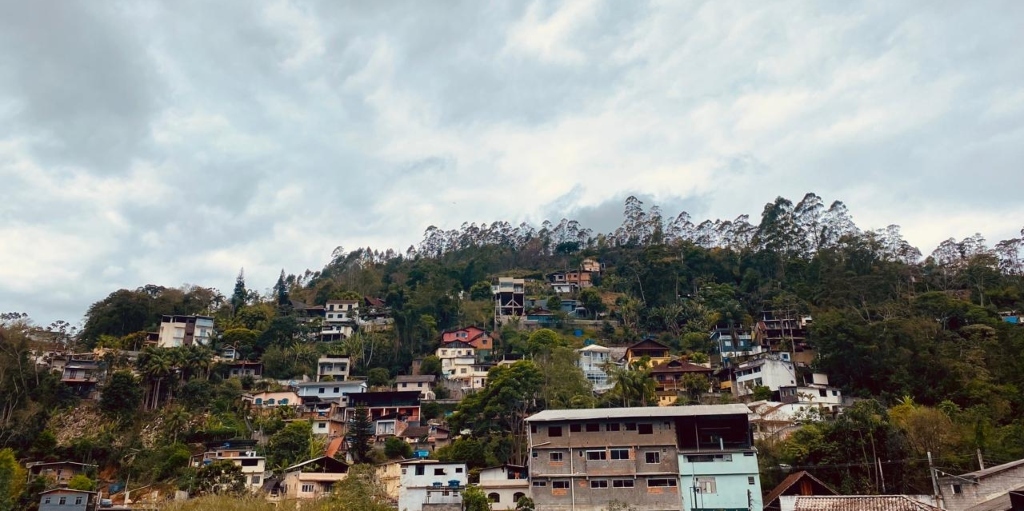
919	339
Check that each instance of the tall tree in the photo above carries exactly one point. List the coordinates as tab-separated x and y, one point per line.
359	435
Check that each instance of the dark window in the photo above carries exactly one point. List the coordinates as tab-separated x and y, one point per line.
439	471
494	497
750	480
622	483
591	428
661	483
560	485
250	463
540	483
957	489
458	470
614	426
646	429
598	483
597	455
620	454
556	456
822	392
652	457
533	428
554	431
574	428
420	470
630	426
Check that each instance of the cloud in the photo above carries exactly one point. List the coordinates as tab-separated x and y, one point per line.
172	142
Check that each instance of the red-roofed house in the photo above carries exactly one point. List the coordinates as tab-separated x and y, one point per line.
477	337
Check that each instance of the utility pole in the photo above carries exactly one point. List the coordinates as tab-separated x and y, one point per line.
935	482
981	461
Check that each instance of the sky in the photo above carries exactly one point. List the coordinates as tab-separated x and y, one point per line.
177	142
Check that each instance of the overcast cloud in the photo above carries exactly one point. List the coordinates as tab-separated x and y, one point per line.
175	142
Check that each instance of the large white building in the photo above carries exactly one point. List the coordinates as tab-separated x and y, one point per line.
773	370
594	361
177	331
431	482
331	389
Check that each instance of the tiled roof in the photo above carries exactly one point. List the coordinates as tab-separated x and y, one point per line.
862	503
790	481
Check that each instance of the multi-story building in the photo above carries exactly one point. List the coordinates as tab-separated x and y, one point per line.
477	337
772	370
309	480
509	299
326	390
176	331
654	351
239	452
731	343
60	471
504	485
340	319
429	483
336	367
651	458
390	411
422	383
594	361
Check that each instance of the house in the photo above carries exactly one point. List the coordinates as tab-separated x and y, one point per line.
564	288
654	350
784	331
423	383
772	370
66	499
509	299
590	266
267	400
459	364
308	480
241	453
797	483
391	411
176	331
971	490
389	474
669	379
60	472
578	279
595	361
333	367
856	503
812	402
243	368
730	343
478	338
82	376
654	458
330	390
326	416
504	485
340	319
430	483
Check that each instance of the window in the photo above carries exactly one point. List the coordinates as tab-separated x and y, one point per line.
540	483
614	426
533	428
598	483
597	455
46	500
62	501
822	392
560	485
494	497
463	370
630	426
259	401
554	431
705	484
283	402
420	470
619	454
337	389
574	428
250	463
556	457
255	479
835	392
592	428
652	457
439	471
623	483
458	470
404	385
321	390
646	429
307	488
957	489
661	483
750	479
321	425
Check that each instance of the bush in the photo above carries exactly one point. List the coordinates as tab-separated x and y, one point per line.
397	448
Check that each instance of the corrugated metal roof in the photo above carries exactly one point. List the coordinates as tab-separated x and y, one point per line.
639	412
862	503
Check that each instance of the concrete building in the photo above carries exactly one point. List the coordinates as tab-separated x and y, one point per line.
772	370
176	331
263	400
653	458
243	368
429	484
732	343
594	361
509	299
423	383
390	411
504	485
325	390
66	499
239	452
60	472
969	491
340	319
309	480
337	367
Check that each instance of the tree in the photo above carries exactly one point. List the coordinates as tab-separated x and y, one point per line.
12	480
240	295
565	385
431	365
360	432
474	499
82	482
378	377
361	490
221	476
289	445
122	397
397	448
525	504
591	299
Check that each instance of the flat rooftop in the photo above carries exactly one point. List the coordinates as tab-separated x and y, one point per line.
639	412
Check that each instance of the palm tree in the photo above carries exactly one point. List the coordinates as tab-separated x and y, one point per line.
155	365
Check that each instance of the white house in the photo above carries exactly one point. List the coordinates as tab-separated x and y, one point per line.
505	485
431	482
593	361
773	370
176	331
335	366
330	389
424	383
240	453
